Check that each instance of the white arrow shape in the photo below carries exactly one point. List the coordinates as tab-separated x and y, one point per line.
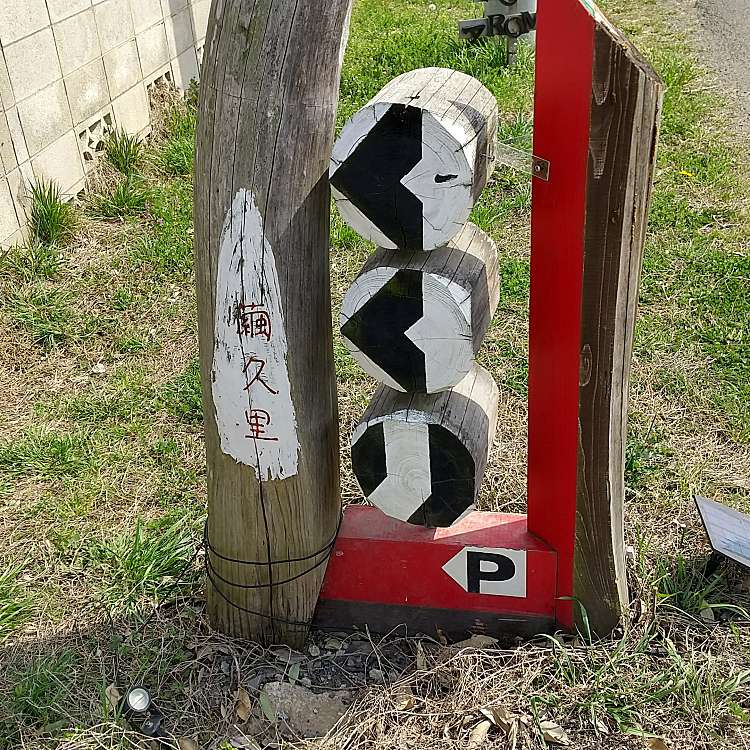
443	332
479	567
407	463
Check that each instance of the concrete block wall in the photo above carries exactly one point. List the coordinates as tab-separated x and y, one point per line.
70	72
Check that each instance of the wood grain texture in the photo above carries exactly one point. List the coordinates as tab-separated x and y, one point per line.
625	113
408	167
268	101
419	332
421	457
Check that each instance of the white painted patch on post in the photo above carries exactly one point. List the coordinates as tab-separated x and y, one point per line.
252	396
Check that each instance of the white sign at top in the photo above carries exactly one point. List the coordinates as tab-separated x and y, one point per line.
727	529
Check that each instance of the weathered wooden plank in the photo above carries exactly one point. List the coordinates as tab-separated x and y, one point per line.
268	102
408	167
415	321
625	112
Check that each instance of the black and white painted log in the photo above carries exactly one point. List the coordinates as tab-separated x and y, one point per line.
408	167
414	321
421	458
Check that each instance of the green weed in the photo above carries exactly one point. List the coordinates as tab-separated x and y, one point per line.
42	453
182	397
128	197
176	154
45	312
51	220
35	262
124	152
38	699
16	607
143	564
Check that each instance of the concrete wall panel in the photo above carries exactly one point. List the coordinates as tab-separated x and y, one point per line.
114	23
123	68
61	9
60	162
32	63
8	160
16	135
185	69
7	99
77	41
200	11
131	110
73	70
87	91
145	13
45	116
18	20
9	222
179	30
152	49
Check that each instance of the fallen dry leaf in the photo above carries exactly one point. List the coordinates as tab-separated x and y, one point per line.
421	658
244	704
554	733
479	734
499	716
405	700
656	743
185	743
113	696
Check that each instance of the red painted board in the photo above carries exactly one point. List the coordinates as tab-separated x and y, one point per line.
380	560
564	68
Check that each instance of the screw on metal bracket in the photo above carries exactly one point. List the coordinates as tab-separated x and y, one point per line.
540	168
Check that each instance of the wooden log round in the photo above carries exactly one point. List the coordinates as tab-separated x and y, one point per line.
414	321
408	168
421	458
269	93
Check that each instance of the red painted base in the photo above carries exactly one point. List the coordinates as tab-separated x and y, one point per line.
484	574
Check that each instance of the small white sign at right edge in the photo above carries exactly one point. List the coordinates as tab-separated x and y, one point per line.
483	570
728	530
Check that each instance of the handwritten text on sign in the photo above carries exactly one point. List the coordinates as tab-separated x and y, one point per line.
254	411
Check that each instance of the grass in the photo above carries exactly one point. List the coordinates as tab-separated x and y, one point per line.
102	462
128	197
51	220
44	312
124	152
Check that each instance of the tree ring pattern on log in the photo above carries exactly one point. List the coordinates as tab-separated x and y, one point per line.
409	329
413	469
407	168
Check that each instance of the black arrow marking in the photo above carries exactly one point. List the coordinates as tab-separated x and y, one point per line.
371	176
378	328
452	478
368	459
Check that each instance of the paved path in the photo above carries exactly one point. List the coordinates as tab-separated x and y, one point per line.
726	34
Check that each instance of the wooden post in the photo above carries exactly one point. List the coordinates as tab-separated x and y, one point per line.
269	90
409	166
421	458
415	321
596	123
625	112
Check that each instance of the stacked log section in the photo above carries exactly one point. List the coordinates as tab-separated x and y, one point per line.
414	321
421	457
408	168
